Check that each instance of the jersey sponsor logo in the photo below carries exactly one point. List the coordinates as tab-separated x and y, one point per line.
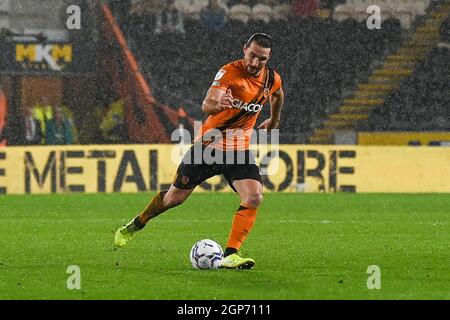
250	107
219	74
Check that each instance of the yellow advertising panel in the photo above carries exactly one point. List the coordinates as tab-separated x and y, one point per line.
404	138
296	168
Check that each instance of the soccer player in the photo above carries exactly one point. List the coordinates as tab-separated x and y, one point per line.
233	103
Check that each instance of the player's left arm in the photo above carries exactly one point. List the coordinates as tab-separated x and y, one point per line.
276	104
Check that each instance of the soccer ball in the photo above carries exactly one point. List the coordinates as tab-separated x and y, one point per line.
206	254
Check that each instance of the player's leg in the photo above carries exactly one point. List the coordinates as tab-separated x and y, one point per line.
163	201
250	192
246	180
189	175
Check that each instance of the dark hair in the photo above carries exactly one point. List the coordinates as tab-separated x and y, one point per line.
264	40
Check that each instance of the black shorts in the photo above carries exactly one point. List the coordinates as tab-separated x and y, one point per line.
234	165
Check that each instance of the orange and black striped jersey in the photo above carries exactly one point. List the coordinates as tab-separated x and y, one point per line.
250	93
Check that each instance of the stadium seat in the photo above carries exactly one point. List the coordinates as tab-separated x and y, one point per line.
4	14
191	8
281	12
342	12
262	12
241	13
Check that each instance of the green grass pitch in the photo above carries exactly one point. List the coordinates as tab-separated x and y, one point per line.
306	246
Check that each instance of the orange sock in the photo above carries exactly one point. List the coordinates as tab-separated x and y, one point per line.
153	209
242	224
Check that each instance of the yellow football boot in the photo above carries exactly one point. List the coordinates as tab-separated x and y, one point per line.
125	233
233	261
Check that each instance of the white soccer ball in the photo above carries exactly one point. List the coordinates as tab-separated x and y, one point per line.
206	254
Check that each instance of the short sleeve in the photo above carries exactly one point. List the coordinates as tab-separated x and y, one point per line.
277	82
223	79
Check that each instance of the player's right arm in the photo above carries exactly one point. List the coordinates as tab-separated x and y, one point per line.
219	96
217	100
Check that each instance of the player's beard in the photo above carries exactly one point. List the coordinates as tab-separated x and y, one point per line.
253	70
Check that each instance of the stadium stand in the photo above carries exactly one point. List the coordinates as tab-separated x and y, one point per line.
372	94
382	79
422	101
406	11
316	76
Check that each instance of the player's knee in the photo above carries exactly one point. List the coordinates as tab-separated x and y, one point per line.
254	199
